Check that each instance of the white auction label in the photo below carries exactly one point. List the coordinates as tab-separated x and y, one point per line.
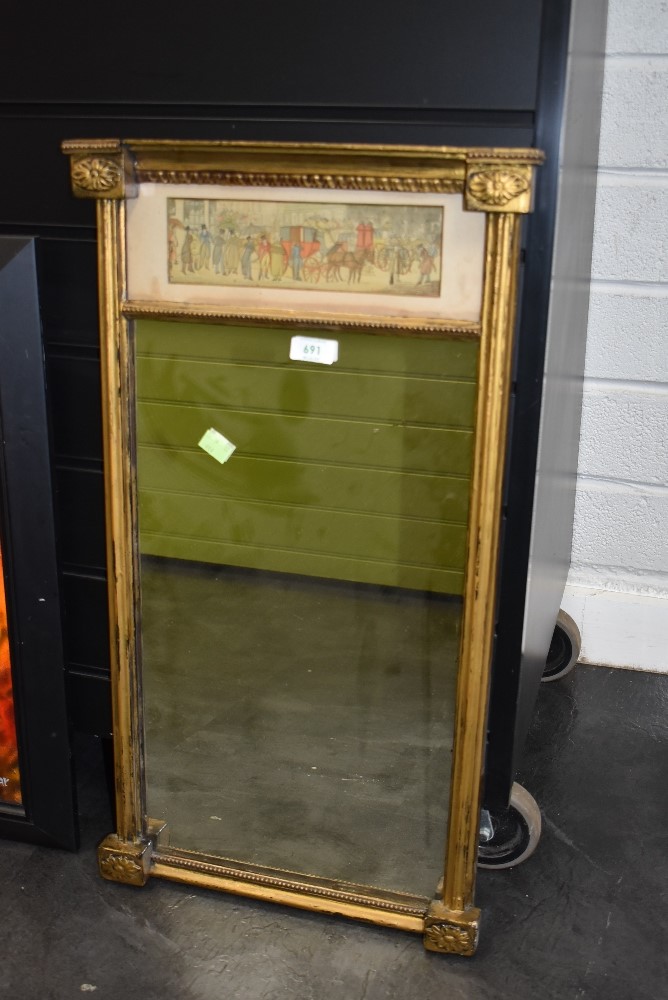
316	349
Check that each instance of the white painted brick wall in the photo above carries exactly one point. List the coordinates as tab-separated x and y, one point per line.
619	439
627	332
630	229
618	585
634	102
621	538
637	26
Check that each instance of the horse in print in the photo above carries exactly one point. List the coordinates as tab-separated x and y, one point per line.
340	259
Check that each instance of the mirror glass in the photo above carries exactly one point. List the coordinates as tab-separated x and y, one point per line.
302	538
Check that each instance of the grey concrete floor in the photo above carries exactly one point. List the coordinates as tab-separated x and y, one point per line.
586	917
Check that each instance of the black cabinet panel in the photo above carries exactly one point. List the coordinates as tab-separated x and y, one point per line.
43	810
80	505
84	600
74	390
89	697
67	271
35	145
35	137
394	54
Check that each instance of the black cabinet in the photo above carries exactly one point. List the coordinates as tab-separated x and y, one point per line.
36	788
523	73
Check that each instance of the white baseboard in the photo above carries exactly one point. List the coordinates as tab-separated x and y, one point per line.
618	629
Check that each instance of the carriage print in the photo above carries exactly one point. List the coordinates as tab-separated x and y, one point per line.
377	249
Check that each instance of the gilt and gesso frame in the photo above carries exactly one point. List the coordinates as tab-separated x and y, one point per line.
496	182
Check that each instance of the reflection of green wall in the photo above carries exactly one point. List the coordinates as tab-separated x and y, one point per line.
357	471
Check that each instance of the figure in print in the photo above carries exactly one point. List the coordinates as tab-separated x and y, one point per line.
264	255
204	247
217	253
246	258
296	261
425	265
187	251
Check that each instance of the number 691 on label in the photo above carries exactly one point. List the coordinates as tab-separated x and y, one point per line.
315	349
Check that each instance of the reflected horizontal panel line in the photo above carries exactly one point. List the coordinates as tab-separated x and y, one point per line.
226	341
66	350
315	463
384	451
311	369
78	669
304	528
88	466
77	572
319	508
391	399
297	415
312	462
295	549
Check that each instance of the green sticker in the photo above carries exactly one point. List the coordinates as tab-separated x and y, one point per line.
216	444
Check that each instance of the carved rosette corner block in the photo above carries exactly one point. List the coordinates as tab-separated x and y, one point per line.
498	187
101	169
454	934
120	861
98	175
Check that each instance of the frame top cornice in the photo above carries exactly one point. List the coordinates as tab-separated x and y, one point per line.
491	179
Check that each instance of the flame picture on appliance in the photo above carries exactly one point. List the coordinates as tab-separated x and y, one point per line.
10	785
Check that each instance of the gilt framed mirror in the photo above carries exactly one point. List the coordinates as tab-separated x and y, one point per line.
306	374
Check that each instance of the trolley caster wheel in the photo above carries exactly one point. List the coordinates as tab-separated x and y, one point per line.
513	835
564	649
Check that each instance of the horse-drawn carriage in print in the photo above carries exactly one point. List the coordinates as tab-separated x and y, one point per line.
301	252
343	260
306	259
